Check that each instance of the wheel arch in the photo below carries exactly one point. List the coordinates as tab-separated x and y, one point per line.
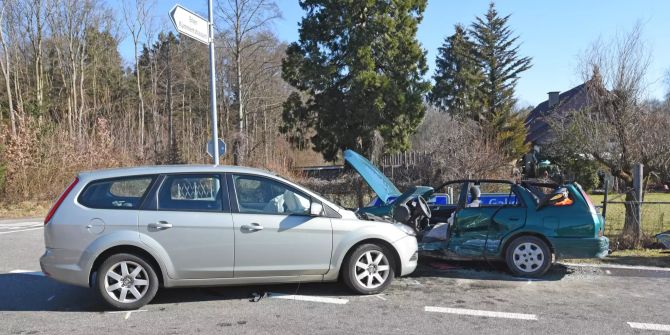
397	265
127	249
516	235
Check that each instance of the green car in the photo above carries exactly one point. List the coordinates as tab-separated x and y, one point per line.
526	225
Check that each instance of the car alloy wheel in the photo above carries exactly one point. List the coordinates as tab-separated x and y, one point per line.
372	269
126	282
528	257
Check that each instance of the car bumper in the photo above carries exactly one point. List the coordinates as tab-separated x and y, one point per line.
61	265
408	251
580	247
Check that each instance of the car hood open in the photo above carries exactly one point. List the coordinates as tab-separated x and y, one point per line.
377	181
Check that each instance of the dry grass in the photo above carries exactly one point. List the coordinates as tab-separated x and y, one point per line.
24	209
655	217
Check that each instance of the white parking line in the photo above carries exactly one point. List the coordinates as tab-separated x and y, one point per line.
475	312
649	326
127	313
28	272
18	231
309	298
617	266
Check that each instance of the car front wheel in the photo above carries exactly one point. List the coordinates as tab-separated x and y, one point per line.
369	269
126	281
528	256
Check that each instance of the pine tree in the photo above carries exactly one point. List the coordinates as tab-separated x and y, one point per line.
359	69
497	52
457	77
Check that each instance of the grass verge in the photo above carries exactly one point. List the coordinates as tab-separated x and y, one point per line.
644	257
24	209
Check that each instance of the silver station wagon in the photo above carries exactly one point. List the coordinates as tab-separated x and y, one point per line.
127	232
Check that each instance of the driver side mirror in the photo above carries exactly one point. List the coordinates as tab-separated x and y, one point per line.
315	209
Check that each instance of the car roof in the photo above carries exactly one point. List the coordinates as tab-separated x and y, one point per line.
184	168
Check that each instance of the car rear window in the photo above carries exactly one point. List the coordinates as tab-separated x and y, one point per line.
117	193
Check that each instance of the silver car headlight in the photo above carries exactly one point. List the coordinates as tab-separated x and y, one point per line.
406	229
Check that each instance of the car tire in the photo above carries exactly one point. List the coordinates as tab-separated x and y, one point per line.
368	269
126	281
528	256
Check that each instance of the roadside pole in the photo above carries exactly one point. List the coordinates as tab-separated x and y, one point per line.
212	85
190	24
637	187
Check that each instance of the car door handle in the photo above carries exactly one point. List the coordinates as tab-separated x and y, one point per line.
513	219
252	227
160	225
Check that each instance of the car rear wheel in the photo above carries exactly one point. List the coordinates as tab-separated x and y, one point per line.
368	269
126	281
528	256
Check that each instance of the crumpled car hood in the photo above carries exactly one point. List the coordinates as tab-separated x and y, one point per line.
382	186
377	181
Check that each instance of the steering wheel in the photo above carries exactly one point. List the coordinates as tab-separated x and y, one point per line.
423	206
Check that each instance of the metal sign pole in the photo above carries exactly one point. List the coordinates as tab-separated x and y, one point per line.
212	86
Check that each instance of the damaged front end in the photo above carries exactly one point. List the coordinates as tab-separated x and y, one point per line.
409	208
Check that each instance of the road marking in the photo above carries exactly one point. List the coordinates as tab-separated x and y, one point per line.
649	326
51	298
18	231
128	313
20	224
309	298
475	312
28	272
618	266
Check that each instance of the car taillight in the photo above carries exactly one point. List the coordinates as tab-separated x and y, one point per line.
62	197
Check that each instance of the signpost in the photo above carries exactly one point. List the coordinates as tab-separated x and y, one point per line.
192	25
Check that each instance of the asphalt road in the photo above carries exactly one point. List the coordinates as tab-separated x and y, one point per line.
439	298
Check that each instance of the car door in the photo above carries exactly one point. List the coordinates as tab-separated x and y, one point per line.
479	228
274	233
189	217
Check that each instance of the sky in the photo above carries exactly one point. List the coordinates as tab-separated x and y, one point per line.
553	33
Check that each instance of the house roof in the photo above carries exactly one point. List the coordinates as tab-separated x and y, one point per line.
537	120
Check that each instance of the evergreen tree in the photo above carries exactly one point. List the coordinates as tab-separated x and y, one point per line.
457	77
359	69
497	52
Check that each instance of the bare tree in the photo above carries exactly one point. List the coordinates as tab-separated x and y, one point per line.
458	149
617	129
36	13
240	19
136	15
6	26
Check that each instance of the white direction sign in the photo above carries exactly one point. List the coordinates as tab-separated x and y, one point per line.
190	24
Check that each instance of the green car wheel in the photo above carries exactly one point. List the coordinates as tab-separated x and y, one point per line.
528	256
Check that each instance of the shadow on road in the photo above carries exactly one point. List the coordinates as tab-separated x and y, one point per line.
25	292
435	267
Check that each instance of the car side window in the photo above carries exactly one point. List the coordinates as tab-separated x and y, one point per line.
261	195
198	192
491	194
117	193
